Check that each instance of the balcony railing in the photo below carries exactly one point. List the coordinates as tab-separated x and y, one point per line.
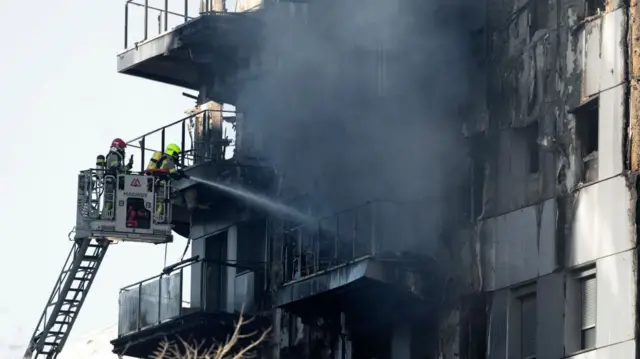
164	297
151	302
353	234
166	16
199	136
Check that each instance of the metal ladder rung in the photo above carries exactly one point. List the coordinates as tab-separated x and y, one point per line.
70	301
67	298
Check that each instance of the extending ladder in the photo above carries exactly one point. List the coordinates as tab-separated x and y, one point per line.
67	298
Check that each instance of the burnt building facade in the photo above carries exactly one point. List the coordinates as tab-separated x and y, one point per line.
461	174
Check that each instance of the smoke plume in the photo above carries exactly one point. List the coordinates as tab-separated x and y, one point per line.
361	101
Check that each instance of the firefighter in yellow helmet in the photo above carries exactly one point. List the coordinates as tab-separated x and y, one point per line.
165	162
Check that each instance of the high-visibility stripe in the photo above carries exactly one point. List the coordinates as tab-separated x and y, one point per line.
161	161
100	161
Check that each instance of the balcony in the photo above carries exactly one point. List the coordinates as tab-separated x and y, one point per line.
206	153
188	301
342	261
174	47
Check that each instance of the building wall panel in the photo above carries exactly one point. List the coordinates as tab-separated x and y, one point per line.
604	57
611	132
626	350
550	334
616	298
498	331
504	341
519	246
602	224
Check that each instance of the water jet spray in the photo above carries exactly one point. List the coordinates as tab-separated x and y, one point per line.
261	201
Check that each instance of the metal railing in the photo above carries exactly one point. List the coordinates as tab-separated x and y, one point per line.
164	15
166	296
350	235
200	138
151	301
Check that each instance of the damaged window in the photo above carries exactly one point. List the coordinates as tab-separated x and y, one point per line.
595	7
473	329
538	13
587	128
528	326
587	137
525	319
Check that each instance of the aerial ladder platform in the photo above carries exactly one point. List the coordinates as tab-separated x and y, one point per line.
110	208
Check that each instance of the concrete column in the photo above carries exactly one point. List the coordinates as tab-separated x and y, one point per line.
275	337
207	279
197	295
343	349
401	341
232	256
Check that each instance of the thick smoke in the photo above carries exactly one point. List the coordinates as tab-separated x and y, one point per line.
362	102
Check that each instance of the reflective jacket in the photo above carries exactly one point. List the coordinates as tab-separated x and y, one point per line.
114	161
167	163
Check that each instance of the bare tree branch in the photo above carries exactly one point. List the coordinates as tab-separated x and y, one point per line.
230	349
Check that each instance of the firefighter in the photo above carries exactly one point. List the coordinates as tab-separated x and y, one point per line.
112	164
169	162
114	161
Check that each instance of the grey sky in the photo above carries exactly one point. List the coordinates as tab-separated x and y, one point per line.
62	104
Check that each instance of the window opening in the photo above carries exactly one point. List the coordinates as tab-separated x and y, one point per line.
137	215
528	327
588	312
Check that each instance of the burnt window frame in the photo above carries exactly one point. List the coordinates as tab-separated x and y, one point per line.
587	119
520	295
594	8
587	136
529	135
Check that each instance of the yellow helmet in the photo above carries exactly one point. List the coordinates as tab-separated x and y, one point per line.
172	150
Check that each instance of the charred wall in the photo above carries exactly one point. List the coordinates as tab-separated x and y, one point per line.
359	102
557	198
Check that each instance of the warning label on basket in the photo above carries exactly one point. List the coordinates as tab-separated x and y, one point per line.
135	182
